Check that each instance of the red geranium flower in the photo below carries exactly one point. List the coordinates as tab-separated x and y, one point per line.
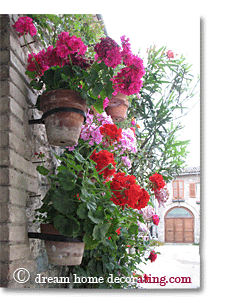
118	231
103	159
157	181
143	199
111	132
126	192
152	256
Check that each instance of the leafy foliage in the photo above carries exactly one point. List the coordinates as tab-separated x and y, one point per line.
78	202
94	88
86	26
165	91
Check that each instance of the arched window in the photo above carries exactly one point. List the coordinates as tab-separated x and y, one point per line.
179	212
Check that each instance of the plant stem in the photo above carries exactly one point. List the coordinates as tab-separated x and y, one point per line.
36	63
70	59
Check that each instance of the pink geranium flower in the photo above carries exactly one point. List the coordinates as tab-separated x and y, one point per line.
170	54
24	25
67	45
155	219
108	51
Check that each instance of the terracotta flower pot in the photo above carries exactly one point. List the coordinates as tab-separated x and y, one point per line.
62	253
117	107
67	112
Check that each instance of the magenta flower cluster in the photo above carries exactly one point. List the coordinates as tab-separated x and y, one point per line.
66	47
71	50
109	52
128	80
25	25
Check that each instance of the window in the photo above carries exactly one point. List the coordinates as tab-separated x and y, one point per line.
192	190
179	212
178	190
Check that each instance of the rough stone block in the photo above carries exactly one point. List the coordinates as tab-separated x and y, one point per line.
9	158
16	214
13	196
8	105
17	233
19	180
4	72
5	249
4	271
19	252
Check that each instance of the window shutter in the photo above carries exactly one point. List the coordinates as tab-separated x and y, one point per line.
192	190
181	189
175	189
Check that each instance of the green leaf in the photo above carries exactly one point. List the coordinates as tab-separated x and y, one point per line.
82	211
85	192
90	243
96	218
42	170
31	75
36	85
67	179
48	78
62	202
78	156
133	230
97	89
91	205
66	226
100	231
98	105
109	89
77	69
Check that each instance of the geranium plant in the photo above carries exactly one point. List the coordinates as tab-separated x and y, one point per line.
65	66
84	184
93	196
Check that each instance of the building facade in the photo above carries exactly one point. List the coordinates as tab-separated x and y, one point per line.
180	218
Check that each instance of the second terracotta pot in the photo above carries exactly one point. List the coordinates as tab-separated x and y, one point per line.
117	107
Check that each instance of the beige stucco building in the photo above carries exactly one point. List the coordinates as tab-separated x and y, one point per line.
180	218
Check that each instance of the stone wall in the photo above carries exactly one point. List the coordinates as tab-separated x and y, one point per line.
21	187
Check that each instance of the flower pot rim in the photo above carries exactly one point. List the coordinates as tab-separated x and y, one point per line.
61	89
57	236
